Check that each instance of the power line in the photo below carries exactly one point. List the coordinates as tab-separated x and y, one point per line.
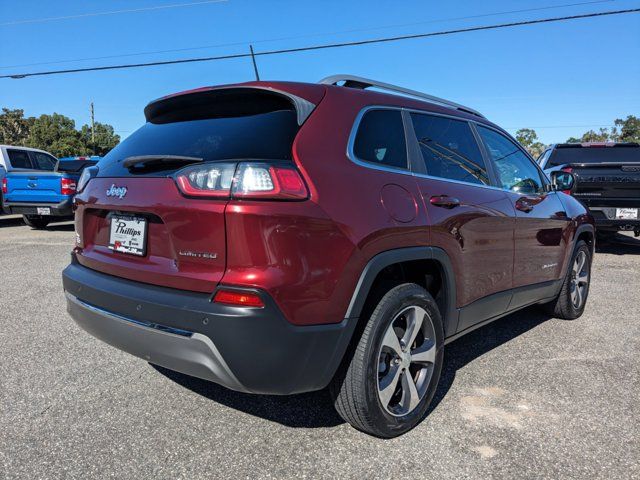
113	12
298	37
324	46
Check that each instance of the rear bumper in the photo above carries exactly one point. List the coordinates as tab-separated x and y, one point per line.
244	349
62	209
605	218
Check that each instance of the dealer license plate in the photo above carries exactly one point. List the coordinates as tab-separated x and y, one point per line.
128	235
626	213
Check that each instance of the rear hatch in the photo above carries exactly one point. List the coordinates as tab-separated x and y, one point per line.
34	187
608	175
181	239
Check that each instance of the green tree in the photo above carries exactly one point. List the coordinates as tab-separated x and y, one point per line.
57	134
629	129
14	128
105	138
528	138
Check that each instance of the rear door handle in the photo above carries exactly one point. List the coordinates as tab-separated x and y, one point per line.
444	201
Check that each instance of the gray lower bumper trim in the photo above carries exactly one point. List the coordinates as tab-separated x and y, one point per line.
192	354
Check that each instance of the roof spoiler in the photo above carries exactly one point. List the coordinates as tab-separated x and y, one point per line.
210	102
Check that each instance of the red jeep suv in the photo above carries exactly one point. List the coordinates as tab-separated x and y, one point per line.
278	237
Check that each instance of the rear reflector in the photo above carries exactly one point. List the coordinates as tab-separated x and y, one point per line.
240	299
4	186
67	186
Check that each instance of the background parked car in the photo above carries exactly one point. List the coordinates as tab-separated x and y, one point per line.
23	158
41	195
608	181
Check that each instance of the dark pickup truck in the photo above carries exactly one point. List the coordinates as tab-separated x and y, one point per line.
41	196
608	181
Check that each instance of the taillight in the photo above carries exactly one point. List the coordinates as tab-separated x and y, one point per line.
209	180
86	175
239	299
262	180
67	186
249	180
4	186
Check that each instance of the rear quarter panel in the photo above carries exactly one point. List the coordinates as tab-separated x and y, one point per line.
344	225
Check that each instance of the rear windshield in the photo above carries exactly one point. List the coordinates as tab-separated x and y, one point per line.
266	136
561	156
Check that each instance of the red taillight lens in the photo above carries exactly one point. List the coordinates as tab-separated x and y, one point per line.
4	186
67	186
265	181
240	299
259	180
209	180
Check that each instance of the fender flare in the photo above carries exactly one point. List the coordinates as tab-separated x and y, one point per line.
391	257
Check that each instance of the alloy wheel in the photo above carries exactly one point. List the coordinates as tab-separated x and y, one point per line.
579	280
406	361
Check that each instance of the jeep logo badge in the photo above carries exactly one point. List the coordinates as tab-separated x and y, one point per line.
114	191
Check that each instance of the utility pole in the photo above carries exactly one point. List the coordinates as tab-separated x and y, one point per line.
255	65
93	130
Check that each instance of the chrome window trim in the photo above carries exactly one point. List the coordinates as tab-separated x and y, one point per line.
352	156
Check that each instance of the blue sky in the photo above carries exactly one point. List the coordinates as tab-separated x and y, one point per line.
561	79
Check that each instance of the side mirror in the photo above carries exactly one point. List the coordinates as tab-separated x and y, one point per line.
563	181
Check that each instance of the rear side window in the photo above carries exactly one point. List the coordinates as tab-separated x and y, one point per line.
380	139
42	161
515	171
261	136
19	158
449	149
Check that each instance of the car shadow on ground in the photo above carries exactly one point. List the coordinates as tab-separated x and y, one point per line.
11	222
314	410
619	245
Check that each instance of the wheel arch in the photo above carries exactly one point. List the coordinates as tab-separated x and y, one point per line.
587	233
438	273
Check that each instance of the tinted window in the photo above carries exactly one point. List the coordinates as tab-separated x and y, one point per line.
449	149
380	139
267	136
19	158
42	161
516	172
562	155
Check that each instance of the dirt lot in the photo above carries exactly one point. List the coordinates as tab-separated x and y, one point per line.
525	397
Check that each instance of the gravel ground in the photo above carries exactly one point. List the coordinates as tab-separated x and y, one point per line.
525	397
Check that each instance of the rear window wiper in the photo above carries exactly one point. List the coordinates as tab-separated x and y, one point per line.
149	160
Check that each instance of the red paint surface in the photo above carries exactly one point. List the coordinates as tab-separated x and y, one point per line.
308	255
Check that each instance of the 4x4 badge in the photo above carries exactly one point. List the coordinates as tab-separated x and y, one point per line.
114	191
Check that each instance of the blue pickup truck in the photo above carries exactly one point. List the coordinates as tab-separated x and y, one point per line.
41	196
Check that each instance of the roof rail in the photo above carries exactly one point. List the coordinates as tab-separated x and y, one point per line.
352	81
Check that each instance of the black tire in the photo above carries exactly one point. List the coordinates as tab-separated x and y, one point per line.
38	222
563	306
355	389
